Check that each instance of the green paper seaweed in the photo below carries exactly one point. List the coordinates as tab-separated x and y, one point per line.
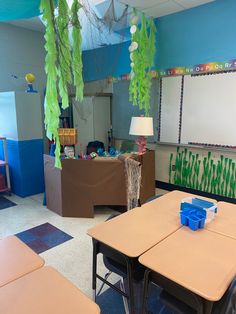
64	54
77	64
217	178
52	111
60	62
142	61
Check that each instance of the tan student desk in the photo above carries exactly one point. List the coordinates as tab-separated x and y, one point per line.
16	260
131	234
44	291
225	220
201	261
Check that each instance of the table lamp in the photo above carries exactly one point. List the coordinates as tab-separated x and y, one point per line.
142	127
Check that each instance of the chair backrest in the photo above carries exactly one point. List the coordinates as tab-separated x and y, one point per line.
227	305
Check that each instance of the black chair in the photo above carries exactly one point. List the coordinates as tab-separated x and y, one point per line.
120	269
178	300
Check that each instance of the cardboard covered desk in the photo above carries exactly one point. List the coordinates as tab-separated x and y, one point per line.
82	184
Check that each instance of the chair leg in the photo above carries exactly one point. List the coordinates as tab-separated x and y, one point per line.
106	277
145	291
94	274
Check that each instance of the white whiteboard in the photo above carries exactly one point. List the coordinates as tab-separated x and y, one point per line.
170	109
209	109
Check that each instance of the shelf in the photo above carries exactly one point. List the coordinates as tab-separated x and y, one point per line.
4	163
5	190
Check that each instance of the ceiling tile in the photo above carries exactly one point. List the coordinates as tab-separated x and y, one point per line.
163	9
141	4
192	3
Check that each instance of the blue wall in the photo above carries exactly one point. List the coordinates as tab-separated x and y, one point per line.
112	60
199	35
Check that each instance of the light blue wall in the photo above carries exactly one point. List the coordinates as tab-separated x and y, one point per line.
100	63
199	35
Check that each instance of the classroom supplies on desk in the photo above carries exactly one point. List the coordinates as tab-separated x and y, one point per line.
195	212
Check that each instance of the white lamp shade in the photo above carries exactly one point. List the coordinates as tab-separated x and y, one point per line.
141	126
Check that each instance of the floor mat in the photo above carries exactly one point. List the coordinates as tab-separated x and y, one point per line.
43	237
5	203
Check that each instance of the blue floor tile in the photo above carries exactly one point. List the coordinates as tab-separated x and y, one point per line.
43	237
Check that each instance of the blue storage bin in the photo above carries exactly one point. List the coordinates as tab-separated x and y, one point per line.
202	203
193	222
192	216
209	208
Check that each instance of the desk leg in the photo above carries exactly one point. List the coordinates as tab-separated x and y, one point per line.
130	284
207	306
145	291
94	277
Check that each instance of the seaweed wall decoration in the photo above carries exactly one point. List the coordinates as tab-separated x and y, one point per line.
205	175
61	61
142	55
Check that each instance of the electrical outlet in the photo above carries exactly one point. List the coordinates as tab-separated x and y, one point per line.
173	168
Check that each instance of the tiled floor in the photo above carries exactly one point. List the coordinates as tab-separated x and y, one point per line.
72	258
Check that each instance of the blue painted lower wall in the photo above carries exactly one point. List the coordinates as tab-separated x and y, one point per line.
26	166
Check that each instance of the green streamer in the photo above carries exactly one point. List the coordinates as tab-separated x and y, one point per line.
143	59
52	111
77	64
64	54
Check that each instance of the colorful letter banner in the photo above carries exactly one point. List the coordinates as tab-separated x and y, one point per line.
199	68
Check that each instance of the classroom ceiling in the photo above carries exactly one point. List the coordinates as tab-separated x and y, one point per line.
33	23
92	36
157	8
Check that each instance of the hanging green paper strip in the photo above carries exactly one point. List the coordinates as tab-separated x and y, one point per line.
77	64
60	63
64	54
52	111
142	55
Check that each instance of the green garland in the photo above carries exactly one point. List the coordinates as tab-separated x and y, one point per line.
77	64
59	62
52	110
142	54
64	54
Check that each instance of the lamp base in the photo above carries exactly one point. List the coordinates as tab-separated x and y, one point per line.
142	144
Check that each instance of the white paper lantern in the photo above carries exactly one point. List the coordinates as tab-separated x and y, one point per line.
133	46
133	29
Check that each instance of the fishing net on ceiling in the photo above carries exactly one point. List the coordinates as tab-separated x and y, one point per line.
103	25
